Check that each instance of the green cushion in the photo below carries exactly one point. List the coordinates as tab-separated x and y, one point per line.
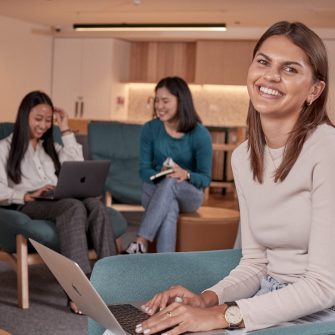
6	128
138	277
119	223
119	143
127	278
14	222
126	187
315	328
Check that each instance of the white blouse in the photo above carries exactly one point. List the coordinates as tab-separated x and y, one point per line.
37	168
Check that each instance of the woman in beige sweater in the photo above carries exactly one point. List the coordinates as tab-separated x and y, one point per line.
285	180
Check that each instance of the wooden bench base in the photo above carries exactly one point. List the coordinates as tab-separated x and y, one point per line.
210	228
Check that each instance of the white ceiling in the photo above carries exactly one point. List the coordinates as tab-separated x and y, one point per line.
244	18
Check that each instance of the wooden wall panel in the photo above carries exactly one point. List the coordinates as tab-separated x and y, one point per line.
223	62
151	61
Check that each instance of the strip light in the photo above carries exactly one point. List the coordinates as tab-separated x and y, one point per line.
151	27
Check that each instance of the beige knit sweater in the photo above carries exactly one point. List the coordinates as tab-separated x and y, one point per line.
288	232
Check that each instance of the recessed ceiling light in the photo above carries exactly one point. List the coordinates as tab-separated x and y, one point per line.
151	27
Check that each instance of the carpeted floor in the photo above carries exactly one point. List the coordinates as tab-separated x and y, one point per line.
48	313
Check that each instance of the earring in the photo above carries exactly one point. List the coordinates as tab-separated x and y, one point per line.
309	103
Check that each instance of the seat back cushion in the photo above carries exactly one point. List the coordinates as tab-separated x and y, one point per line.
118	142
6	128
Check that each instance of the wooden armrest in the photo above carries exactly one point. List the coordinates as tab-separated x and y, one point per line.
121	207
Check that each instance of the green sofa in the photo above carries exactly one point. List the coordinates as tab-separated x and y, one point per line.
118	142
14	223
127	278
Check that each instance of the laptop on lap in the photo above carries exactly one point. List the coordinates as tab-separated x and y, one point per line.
118	319
79	179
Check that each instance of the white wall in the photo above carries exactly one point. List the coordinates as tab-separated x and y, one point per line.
120	71
25	63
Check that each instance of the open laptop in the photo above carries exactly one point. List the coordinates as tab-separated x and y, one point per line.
118	319
79	179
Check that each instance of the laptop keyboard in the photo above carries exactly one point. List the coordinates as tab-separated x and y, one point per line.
128	316
48	194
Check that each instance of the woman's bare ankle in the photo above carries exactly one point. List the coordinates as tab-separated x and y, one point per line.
141	239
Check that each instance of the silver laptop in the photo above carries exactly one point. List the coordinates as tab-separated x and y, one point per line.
115	318
79	179
75	283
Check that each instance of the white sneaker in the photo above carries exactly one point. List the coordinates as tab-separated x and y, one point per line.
135	248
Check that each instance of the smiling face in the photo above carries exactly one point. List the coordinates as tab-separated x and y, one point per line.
280	79
40	120
166	105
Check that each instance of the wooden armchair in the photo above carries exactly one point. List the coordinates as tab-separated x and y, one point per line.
16	228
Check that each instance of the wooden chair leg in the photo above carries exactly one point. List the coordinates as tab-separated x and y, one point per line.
22	271
206	193
118	244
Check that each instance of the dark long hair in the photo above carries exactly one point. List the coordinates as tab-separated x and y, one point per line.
21	136
186	113
310	116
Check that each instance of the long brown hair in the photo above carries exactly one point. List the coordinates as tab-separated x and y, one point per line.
310	116
20	139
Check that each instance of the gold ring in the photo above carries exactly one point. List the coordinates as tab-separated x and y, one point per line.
169	314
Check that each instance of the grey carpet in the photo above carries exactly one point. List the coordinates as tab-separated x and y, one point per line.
48	313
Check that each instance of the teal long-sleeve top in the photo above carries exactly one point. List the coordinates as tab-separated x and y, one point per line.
192	152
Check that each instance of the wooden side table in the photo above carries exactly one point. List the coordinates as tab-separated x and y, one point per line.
210	228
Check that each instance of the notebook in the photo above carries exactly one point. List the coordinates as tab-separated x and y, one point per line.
79	179
161	175
117	319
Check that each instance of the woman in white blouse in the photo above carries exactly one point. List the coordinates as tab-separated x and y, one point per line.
285	180
30	162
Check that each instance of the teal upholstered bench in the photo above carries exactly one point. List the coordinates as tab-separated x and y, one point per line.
16	228
127	278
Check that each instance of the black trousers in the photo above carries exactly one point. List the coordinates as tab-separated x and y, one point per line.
74	219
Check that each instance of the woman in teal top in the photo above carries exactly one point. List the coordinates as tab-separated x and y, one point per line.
175	135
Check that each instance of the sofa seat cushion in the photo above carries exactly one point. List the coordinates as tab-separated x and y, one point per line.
119	223
13	222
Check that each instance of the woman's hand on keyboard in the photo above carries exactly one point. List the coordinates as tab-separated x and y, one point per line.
177	294
30	196
179	318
